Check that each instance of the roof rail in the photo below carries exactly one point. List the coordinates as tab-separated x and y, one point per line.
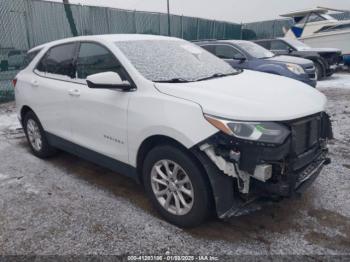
203	40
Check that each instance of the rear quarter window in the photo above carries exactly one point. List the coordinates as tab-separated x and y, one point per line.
59	61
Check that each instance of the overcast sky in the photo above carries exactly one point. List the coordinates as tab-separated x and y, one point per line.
228	10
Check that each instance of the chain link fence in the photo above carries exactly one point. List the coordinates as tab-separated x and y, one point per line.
28	23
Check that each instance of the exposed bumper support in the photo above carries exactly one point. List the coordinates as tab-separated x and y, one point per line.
246	175
223	186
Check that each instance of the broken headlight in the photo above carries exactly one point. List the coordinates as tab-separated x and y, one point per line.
268	132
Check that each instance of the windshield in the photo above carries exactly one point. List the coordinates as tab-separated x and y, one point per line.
297	44
256	50
173	60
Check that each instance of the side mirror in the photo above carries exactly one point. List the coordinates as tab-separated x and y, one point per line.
108	80
239	57
290	50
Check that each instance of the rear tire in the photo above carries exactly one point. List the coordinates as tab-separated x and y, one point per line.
176	186
36	136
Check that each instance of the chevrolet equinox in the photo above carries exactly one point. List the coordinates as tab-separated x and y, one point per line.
200	136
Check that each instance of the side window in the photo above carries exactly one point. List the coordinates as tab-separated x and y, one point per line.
94	58
315	18
325	28
265	44
333	28
341	27
279	45
29	58
226	52
209	48
59	60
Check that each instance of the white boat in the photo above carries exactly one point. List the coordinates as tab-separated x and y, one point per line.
317	29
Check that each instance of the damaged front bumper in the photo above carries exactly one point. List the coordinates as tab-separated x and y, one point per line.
245	175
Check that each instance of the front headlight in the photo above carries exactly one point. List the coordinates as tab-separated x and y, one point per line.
296	69
268	132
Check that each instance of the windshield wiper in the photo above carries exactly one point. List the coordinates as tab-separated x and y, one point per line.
174	80
217	75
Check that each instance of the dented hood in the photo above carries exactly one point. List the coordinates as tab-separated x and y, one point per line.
252	96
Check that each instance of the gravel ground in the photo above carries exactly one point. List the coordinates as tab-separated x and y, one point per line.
66	205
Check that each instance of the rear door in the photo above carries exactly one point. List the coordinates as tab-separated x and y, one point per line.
49	89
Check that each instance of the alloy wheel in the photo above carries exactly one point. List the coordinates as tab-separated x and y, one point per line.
172	187
34	135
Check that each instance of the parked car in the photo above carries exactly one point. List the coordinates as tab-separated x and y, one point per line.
198	134
326	60
248	55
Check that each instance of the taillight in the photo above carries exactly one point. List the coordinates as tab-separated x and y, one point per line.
14	82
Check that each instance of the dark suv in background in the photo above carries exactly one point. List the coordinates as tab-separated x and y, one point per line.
326	60
248	55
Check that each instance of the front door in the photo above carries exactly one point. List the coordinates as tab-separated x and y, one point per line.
99	116
231	55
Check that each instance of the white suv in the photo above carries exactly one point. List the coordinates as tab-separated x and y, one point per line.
200	135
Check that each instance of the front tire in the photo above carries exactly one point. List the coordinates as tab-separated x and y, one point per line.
318	71
176	186
36	136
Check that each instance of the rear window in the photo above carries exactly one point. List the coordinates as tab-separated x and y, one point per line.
29	58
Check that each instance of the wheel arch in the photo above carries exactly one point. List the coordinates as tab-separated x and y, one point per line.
149	143
157	140
24	110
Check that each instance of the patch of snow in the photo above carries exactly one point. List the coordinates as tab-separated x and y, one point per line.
341	81
9	122
30	189
3	177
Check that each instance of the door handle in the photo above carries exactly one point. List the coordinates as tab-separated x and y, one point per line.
74	92
34	83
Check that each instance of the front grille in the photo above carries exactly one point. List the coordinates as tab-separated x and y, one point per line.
312	76
310	68
306	134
